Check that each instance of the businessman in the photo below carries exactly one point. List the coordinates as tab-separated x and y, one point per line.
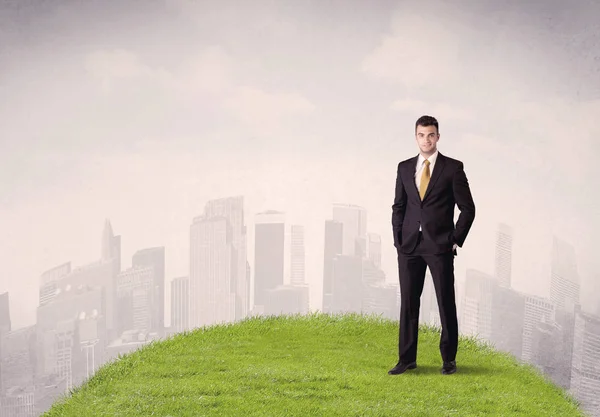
428	186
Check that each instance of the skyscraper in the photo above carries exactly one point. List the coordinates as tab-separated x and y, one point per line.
374	249
232	208
585	380
136	299
269	240
503	261
212	263
297	255
333	248
154	258
110	258
180	301
354	219
564	281
218	265
111	246
477	304
5	324
536	309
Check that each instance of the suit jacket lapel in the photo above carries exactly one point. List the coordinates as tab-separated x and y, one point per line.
437	171
409	175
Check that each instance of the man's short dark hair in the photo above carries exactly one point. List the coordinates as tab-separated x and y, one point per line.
427	121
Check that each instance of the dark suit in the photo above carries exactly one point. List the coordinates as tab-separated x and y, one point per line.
431	248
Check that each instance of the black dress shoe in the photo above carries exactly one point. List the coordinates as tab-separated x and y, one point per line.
400	368
449	368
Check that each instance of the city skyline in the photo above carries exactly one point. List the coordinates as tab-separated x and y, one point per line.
126	129
107	309
315	285
144	127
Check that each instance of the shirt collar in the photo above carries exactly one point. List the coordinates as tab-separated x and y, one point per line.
431	159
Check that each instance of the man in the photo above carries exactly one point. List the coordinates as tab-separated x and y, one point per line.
427	188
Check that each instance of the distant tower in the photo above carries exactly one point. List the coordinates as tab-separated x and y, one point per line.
180	302
564	281
5	325
354	219
503	267
269	239
111	246
154	257
218	283
333	247
297	264
374	249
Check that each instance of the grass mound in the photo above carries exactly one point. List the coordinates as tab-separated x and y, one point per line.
319	365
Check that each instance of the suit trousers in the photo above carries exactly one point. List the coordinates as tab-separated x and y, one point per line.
411	270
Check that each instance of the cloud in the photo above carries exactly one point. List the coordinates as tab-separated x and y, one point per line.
421	51
556	139
264	111
209	77
441	68
118	65
211	72
563	132
446	55
444	111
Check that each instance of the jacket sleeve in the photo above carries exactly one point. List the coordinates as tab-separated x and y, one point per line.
464	201
398	209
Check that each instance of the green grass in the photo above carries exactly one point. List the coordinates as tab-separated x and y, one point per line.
319	365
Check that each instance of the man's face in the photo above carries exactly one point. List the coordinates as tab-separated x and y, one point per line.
427	138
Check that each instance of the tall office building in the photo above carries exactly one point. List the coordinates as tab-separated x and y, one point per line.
62	324
5	328
269	239
101	274
180	301
585	379
537	309
49	282
212	261
297	255
333	248
232	208
503	261
354	219
508	315
111	247
374	248
552	346
544	347
477	304
5	323
154	258
348	287
377	296
136	299
218	266
111	259
18	358
564	282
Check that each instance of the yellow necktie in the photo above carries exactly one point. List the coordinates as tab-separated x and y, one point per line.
425	176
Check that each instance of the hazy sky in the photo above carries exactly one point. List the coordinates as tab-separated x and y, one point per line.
140	112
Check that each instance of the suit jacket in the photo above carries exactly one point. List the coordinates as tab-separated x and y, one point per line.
447	187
